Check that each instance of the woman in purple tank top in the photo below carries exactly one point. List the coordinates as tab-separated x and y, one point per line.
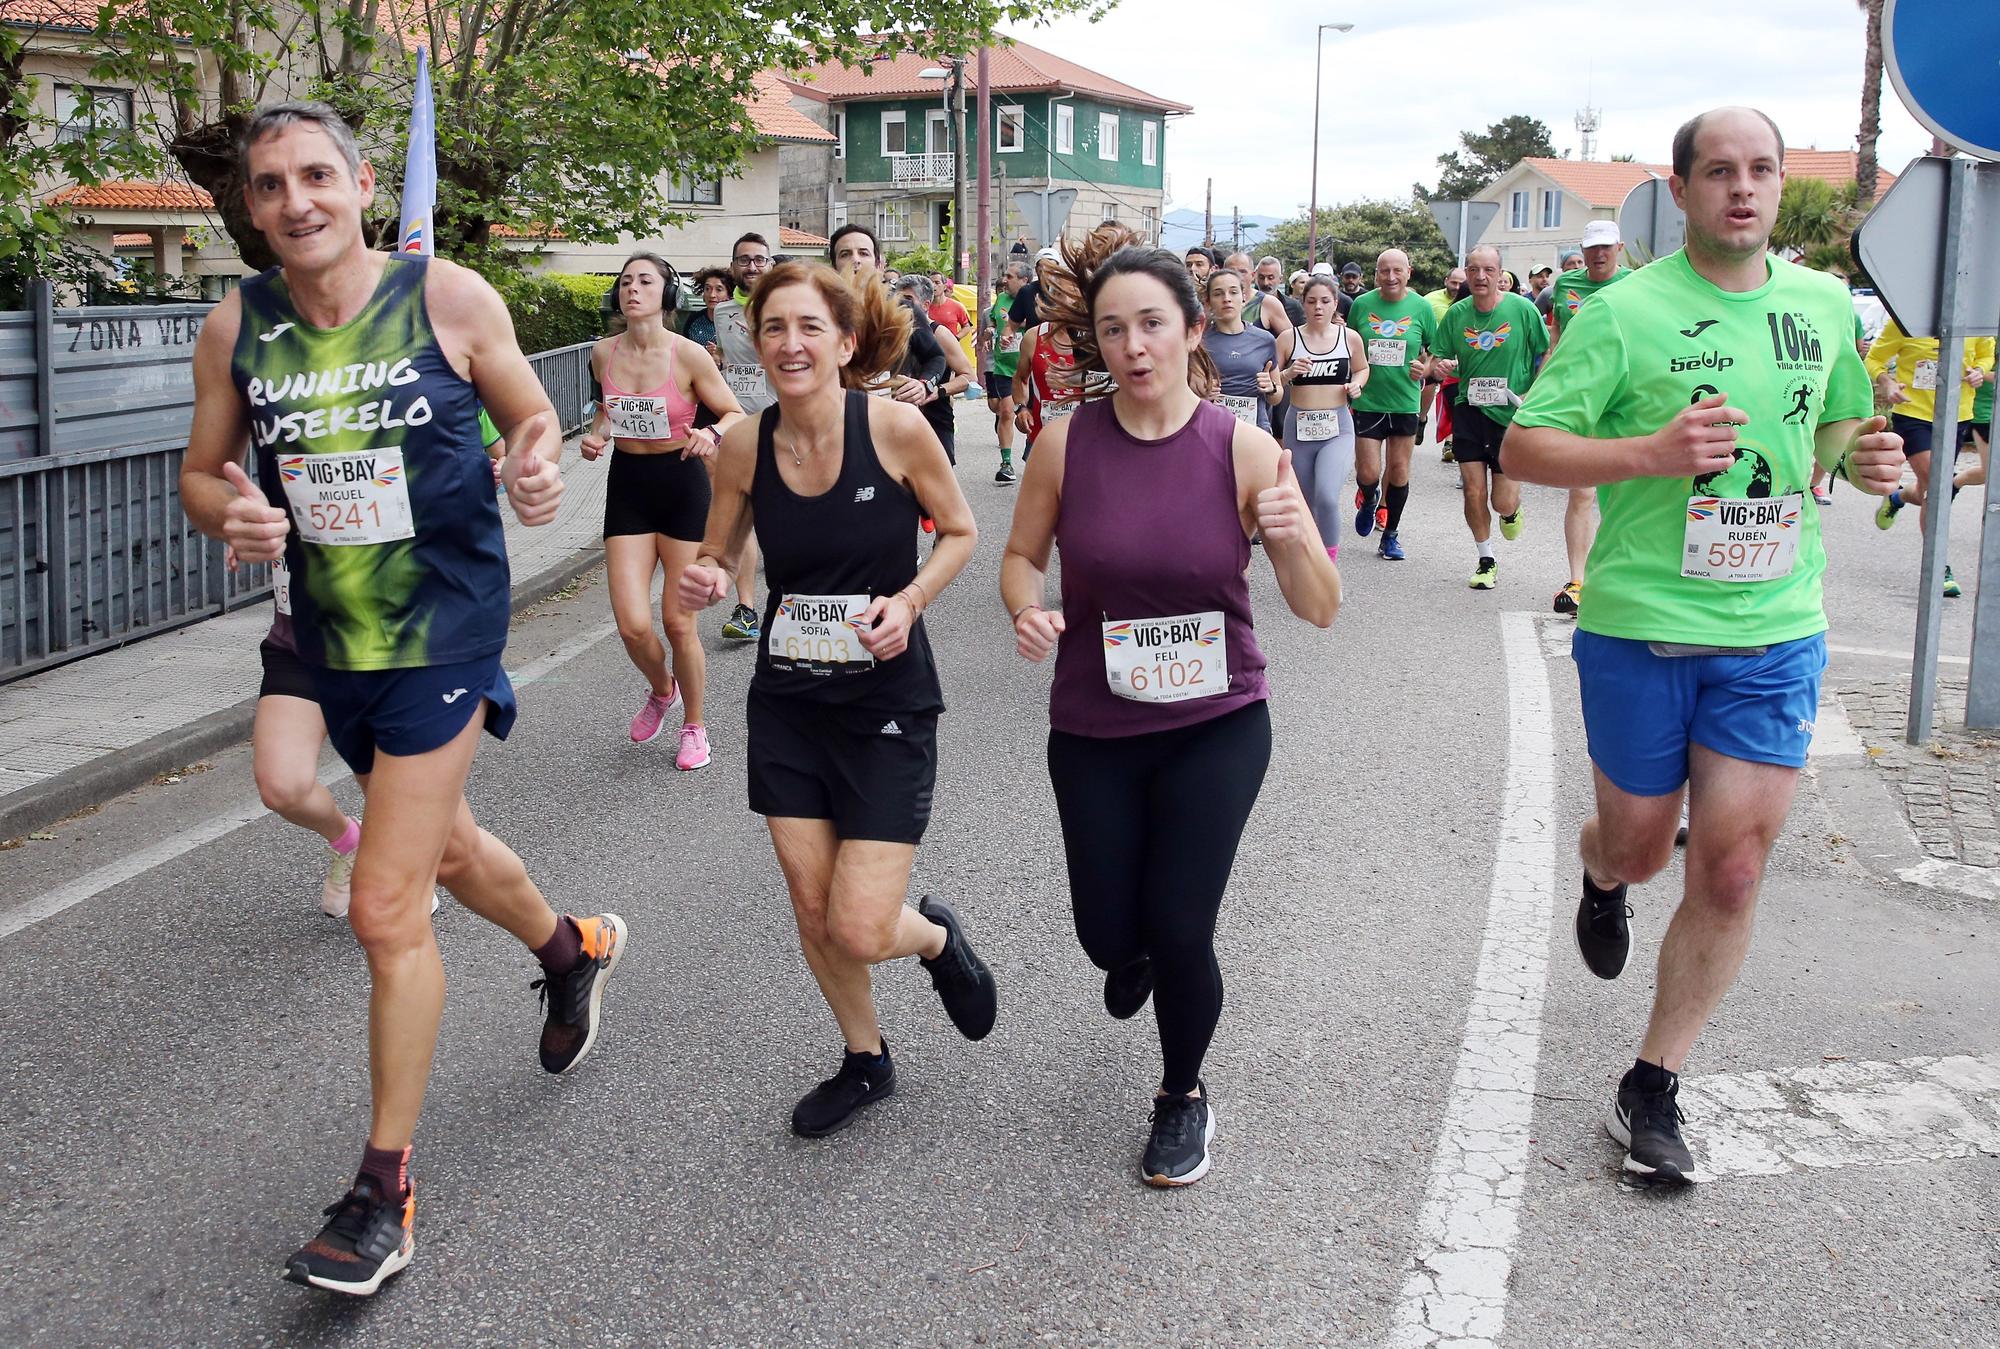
1159	735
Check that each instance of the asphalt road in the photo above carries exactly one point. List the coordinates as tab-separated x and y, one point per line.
188	1082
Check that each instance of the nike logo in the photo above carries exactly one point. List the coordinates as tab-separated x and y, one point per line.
275	332
1699	328
453	696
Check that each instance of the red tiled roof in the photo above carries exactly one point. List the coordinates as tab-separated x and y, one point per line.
1596	182
131	240
791	238
772	113
1833	166
531	232
1011	69
130	196
81	14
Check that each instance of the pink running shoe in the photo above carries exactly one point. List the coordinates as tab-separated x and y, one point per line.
652	717
694	747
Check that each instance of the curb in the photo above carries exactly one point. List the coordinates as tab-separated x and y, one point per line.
116	773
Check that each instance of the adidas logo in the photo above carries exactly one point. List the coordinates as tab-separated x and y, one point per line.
891	728
864	494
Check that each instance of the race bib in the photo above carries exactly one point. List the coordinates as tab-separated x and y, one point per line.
1489	392
1055	412
1167	660
745	381
1387	351
637	418
1009	341
352	498
1243	409
1316	423
819	634
1734	539
281	585
1924	377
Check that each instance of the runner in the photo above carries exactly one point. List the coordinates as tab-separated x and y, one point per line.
1489	340
1437	389
1351	286
999	381
1700	652
1245	359
1158	743
940	411
656	494
1911	396
1399	329
355	374
1601	267
1323	367
1200	262
844	705
1266	312
749	258
1270	281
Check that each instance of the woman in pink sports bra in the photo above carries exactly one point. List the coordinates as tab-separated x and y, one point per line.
656	498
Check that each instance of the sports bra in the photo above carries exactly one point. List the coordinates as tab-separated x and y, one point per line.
1328	367
663	414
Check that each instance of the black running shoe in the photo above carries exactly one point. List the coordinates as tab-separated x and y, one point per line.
1648	1123
830	1107
963	983
571	1000
1177	1152
368	1240
1006	474
1601	931
1127	988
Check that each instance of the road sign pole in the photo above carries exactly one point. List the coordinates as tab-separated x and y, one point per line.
1982	690
1944	444
1464	214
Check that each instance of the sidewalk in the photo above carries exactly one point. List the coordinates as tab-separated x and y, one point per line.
86	731
1947	791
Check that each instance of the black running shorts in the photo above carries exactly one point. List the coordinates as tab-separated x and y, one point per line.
656	494
1475	437
1383	425
871	773
285	675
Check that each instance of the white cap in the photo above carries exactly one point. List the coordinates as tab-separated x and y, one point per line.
1322	269
1600	232
1049	254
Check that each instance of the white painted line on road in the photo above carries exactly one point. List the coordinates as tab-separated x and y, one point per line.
1934	873
94	883
1903	656
1845	1114
1455	1290
1833	733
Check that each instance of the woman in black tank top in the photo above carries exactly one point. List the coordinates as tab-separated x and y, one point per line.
843	707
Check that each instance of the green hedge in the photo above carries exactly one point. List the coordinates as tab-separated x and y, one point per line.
551	311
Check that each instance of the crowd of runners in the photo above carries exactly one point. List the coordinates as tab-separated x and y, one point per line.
1176	416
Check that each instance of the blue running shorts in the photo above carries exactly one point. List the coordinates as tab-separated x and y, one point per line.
408	712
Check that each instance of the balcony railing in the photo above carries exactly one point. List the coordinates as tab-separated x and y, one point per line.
921	170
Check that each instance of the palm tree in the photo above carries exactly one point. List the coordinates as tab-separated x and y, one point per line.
1814	214
1871	104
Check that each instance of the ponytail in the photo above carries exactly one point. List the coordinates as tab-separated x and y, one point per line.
1069	299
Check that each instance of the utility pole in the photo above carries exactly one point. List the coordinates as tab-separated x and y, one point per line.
1208	217
959	234
1235	230
984	341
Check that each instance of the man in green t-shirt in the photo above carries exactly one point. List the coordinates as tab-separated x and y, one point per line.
1489	340
1399	329
1696	396
1601	248
999	380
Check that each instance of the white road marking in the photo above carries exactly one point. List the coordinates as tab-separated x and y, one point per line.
1455	1290
1833	733
1905	656
1844	1114
134	864
1934	873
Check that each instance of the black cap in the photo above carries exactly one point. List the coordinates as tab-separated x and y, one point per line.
1351	269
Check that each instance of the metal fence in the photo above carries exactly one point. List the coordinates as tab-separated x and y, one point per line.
95	550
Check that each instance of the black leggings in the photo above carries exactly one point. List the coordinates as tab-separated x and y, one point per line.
1150	827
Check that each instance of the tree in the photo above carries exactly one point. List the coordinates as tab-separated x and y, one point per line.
1814	215
555	116
1359	230
1871	104
93	146
1483	156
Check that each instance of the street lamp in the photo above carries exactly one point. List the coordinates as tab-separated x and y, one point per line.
1312	207
954	94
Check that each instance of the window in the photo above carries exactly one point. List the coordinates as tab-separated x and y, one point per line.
695	192
1149	225
1517	211
1149	143
1110	214
895	134
839	134
1107	136
1552	210
1065	129
1014	130
937	136
110	110
892	220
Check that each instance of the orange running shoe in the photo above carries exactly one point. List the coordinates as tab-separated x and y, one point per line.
572	1000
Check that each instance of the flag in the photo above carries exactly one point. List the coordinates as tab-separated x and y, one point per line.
420	167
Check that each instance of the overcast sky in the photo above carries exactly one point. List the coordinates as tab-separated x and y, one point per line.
1400	87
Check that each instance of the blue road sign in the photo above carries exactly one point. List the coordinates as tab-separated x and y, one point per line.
1943	57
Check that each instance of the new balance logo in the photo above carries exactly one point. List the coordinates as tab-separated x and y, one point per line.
1699	328
275	332
864	494
453	696
891	728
